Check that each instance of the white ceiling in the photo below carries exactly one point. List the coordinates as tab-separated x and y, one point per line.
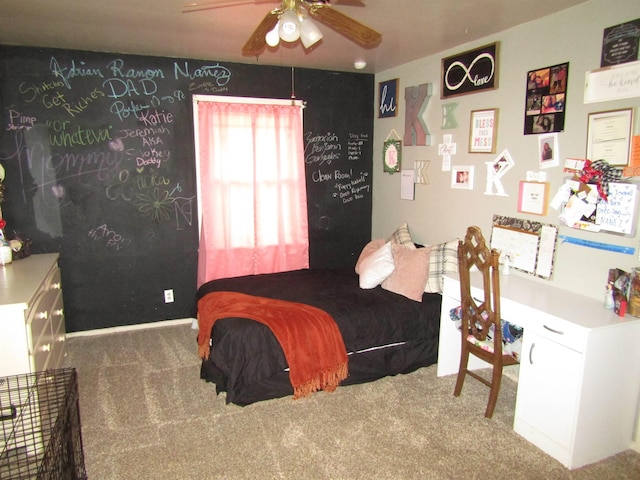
410	29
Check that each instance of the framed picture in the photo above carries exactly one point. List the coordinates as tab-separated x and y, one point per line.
546	99
609	136
620	43
392	155
470	72
612	83
388	98
533	197
502	163
482	131
548	155
462	177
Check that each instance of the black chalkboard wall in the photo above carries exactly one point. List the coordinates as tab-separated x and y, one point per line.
99	158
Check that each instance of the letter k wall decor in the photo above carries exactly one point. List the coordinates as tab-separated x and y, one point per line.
415	129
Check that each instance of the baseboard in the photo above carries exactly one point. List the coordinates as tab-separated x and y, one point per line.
129	328
636	438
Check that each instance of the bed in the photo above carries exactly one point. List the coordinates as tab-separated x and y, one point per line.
384	332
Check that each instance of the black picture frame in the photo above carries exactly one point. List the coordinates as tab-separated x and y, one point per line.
470	72
620	43
388	98
546	99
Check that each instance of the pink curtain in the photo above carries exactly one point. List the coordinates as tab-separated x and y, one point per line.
253	192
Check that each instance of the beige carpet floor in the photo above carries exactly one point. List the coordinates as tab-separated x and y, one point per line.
147	415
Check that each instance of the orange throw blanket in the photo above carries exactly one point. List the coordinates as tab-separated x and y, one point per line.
309	337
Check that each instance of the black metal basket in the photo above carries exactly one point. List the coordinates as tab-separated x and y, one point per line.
40	434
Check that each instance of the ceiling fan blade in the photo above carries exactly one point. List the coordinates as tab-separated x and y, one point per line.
346	3
345	25
213	4
257	42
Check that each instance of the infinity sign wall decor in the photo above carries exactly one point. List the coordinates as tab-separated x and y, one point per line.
470	72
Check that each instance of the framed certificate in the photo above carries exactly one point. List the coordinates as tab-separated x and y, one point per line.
609	136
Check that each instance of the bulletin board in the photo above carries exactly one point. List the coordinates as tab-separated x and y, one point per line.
530	246
615	215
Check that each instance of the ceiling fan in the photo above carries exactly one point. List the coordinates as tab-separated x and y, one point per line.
293	15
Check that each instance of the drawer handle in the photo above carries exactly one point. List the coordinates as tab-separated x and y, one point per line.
43	315
554	331
46	347
531	353
56	286
58	312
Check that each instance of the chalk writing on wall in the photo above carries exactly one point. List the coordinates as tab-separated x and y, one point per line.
100	166
347	182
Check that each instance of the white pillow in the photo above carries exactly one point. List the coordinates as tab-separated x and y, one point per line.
377	267
368	249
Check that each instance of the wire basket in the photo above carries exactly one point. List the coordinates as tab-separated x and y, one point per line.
40	435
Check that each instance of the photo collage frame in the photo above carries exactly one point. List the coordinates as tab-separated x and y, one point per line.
546	99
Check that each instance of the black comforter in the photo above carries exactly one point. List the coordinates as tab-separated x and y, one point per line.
384	333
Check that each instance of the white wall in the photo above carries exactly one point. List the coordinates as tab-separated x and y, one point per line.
440	213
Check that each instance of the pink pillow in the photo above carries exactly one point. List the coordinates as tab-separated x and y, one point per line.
368	249
409	278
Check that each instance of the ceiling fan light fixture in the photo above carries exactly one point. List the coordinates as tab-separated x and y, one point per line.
359	64
272	37
289	29
310	34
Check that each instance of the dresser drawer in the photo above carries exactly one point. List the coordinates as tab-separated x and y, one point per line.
57	333
32	317
38	319
53	281
566	333
41	338
45	322
42	353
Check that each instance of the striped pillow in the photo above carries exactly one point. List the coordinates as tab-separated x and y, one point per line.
402	236
443	259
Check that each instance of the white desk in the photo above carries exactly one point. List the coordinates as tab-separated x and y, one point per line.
579	379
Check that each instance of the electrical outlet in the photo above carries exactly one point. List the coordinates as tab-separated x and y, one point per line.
168	296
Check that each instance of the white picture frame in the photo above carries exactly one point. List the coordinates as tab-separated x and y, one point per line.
462	177
548	155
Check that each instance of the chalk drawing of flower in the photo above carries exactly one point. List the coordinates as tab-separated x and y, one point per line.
156	205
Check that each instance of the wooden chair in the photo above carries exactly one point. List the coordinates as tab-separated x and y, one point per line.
480	315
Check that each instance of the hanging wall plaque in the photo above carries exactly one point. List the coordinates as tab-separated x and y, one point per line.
470	72
391	155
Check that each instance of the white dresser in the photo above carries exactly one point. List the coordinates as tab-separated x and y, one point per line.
32	331
579	376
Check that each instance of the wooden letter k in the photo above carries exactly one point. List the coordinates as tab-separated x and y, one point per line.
416	100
